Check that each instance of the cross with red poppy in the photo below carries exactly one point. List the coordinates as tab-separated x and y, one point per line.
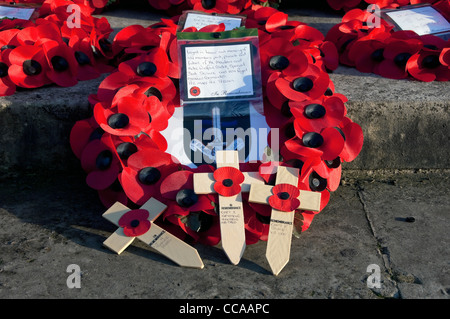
284	198
138	223
229	182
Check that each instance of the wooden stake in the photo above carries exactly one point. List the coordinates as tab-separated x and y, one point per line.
282	223
231	212
156	237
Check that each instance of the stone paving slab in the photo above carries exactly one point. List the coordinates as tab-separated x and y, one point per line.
49	222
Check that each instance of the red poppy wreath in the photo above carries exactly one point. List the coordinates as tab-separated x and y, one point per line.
125	155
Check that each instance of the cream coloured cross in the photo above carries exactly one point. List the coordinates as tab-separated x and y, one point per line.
281	223
231	212
159	239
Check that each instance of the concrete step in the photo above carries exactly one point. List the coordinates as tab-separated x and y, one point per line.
405	122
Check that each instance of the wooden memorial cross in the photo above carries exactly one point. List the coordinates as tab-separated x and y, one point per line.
282	222
159	239
231	212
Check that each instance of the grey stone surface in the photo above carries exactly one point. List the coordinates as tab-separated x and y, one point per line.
49	222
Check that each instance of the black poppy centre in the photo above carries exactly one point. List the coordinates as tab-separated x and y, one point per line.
32	67
315	111
104	160
118	121
312	140
303	84
278	62
59	63
208	4
146	69
186	198
149	175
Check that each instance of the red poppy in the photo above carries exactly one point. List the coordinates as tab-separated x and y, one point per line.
367	55
114	193
425	66
279	23
98	159
128	117
82	133
285	197
315	115
87	66
353	141
135	39
218	6
194	214
396	55
343	4
8	41
327	55
228	181
326	144
444	57
28	66
145	171
280	55
149	100
170	45
63	69
277	118
154	63
135	222
7	87
310	84
258	18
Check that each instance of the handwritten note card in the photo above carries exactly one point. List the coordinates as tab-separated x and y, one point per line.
220	71
202	20
422	20
16	13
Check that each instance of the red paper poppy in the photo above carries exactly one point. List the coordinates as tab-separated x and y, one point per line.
82	133
128	117
315	115
279	55
63	69
343	4
228	181
87	65
7	87
285	197
258	18
444	57
326	144
195	214
426	66
135	39
311	84
99	161
135	222
396	55
8	41
354	139
367	55
145	171
170	45
328	56
279	23
218	6
148	100
28	66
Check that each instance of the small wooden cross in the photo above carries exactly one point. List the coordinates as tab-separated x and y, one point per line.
231	212
159	239
281	222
